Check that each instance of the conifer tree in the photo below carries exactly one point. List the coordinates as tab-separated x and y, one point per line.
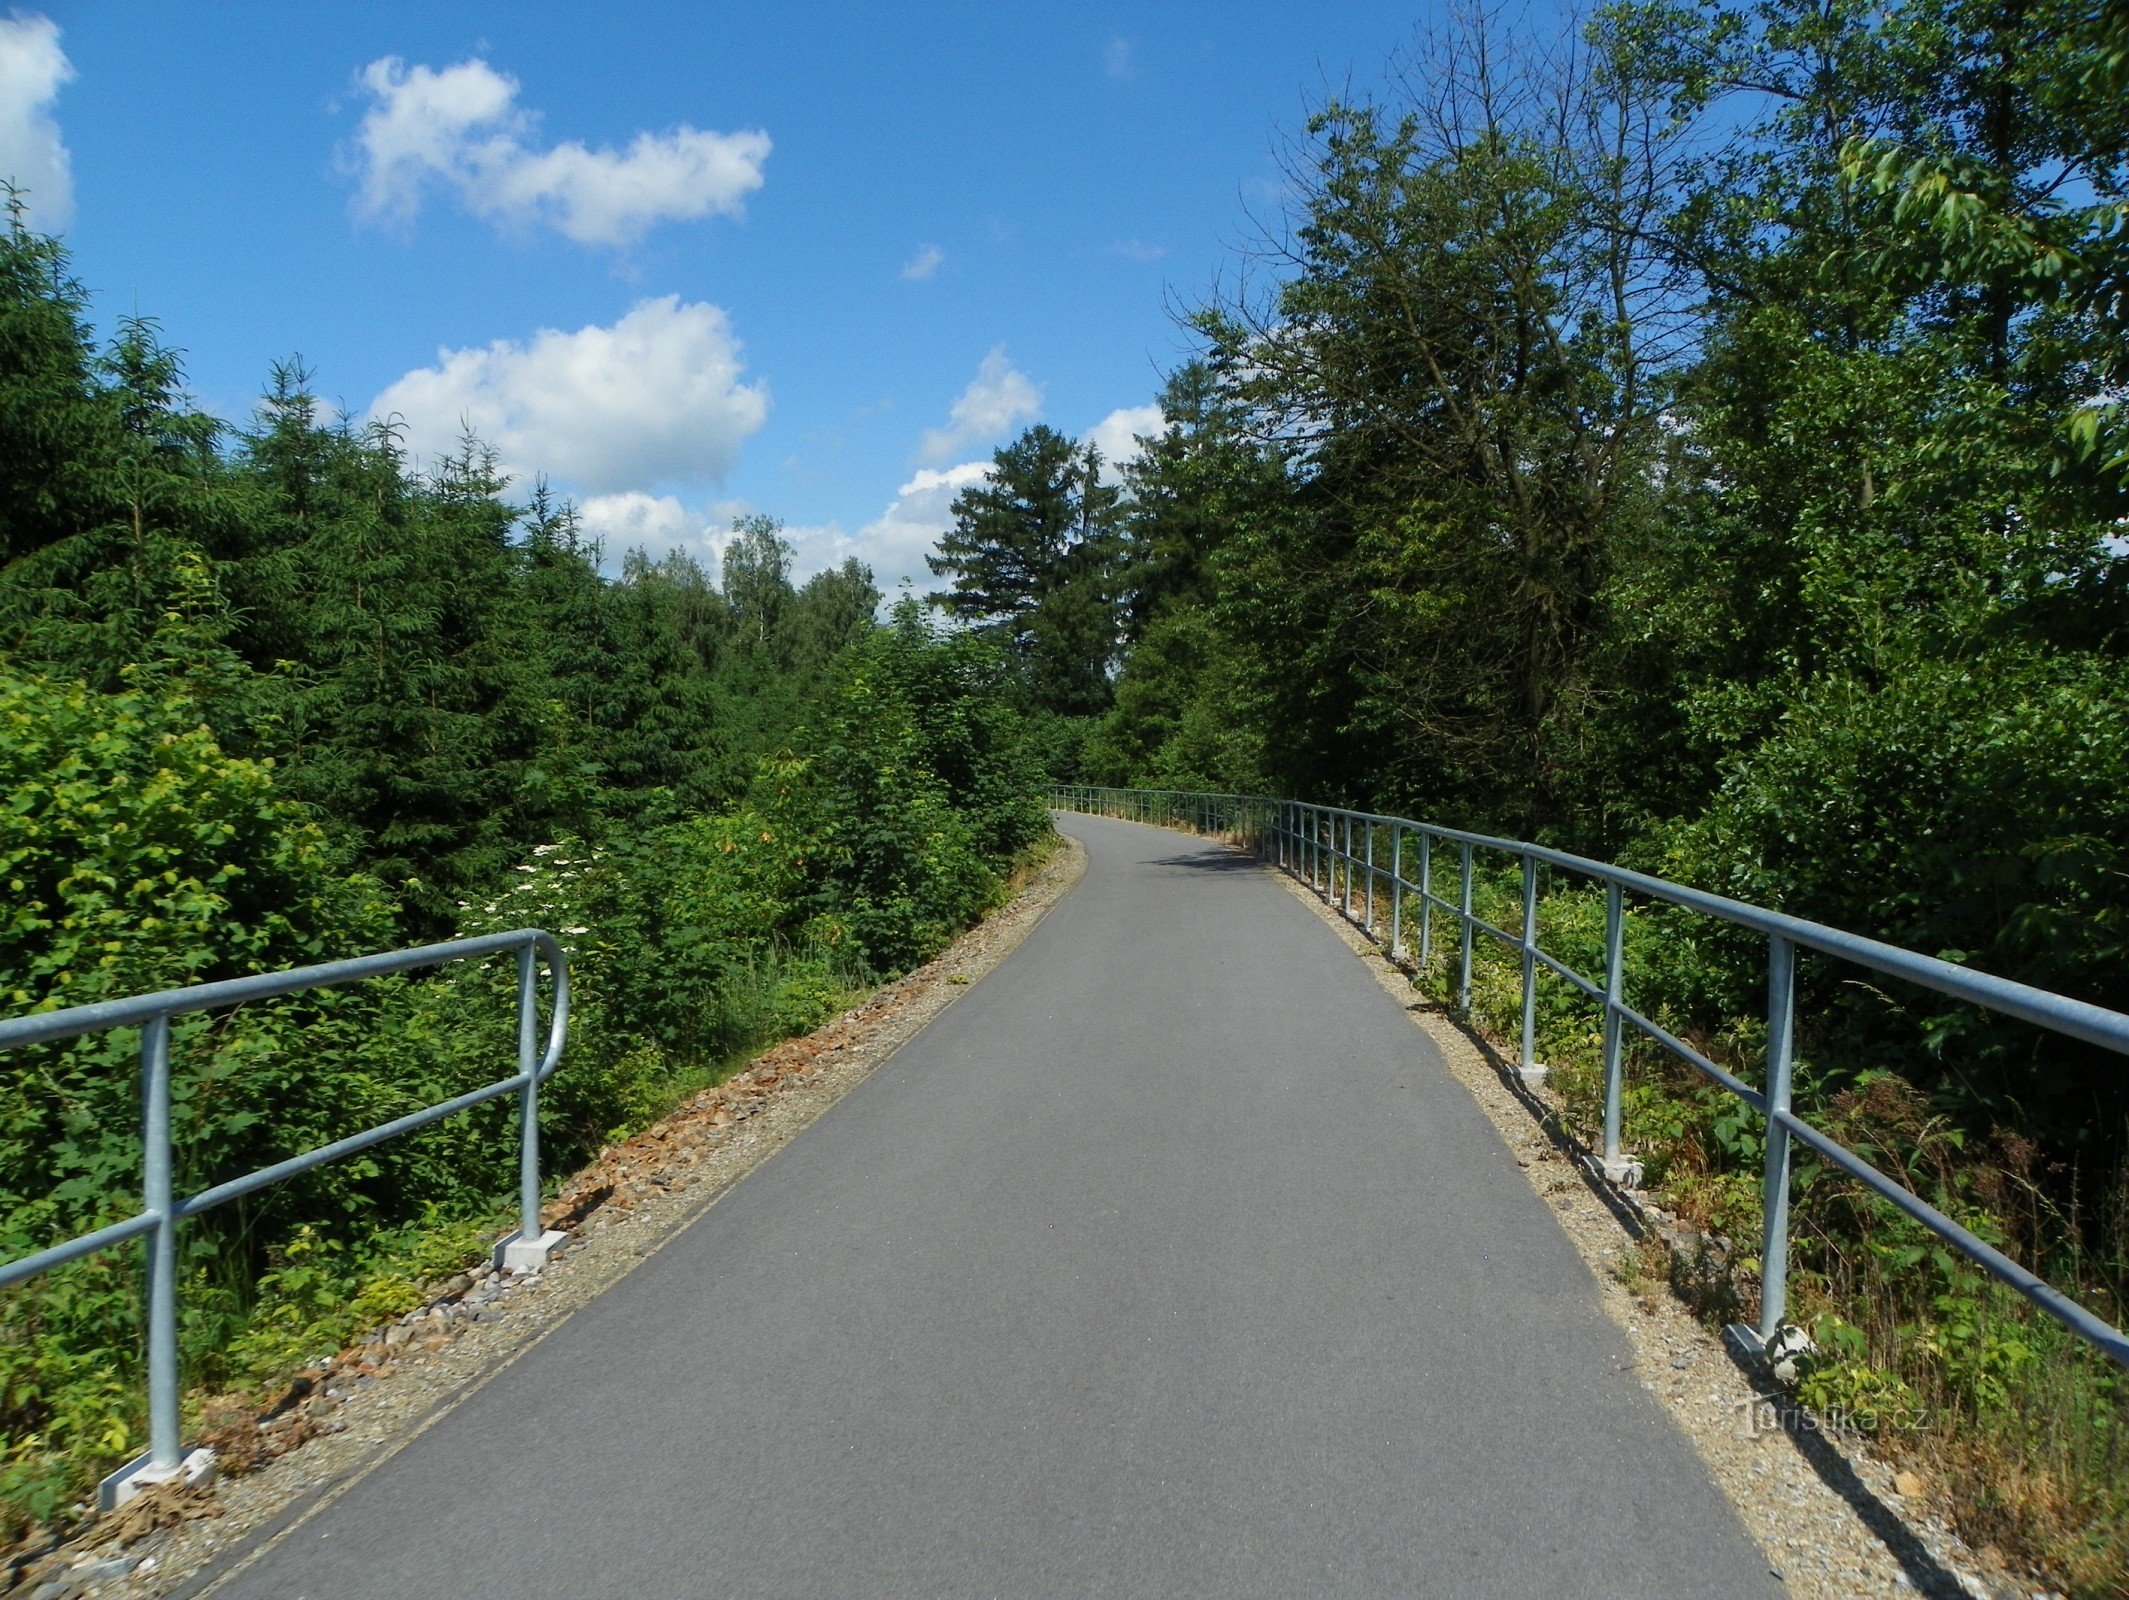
1032	556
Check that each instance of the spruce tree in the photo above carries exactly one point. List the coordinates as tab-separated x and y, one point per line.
1032	556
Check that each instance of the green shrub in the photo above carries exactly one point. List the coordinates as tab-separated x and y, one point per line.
141	855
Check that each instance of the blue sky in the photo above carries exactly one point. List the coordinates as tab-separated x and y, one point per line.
686	260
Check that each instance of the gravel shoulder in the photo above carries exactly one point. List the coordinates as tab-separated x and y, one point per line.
1829	1516
1830	1520
340	1422
1170	1261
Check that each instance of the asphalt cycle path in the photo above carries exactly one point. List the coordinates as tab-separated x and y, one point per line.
1170	1260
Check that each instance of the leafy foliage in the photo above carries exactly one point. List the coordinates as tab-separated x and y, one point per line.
1029	555
1699	442
269	698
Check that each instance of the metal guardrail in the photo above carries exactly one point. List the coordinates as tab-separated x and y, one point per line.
161	1211
1330	847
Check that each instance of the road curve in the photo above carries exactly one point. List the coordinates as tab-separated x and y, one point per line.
1170	1261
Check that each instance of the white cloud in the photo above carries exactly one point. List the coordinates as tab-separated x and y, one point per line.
1000	397
1117	435
461	127
924	263
895	543
1118	60
634	520
1137	250
32	155
655	399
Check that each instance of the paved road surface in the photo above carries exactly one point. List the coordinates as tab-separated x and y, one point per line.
1169	1261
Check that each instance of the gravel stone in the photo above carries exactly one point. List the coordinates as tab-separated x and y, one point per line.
1833	1494
699	1154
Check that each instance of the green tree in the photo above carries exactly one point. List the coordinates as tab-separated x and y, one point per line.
1031	556
757	580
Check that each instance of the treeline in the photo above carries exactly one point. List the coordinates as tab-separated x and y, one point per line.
270	696
446	678
1694	439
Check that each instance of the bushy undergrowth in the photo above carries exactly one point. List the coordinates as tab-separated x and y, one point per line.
140	855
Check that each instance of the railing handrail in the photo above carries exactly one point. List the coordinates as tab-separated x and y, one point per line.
1320	850
39	1027
161	1210
2079	1018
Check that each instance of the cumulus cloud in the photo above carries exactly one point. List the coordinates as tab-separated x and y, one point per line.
1000	398
895	543
634	520
924	263
1118	434
32	155
654	399
462	129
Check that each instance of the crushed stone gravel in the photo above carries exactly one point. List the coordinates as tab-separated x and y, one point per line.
339	1421
1832	1519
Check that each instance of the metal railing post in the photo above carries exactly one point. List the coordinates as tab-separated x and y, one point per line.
162	1211
1368	920
159	1200
1614	995
1345	855
1426	899
1352	865
1318	841
1397	890
1774	1244
1463	987
1529	1063
528	1062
